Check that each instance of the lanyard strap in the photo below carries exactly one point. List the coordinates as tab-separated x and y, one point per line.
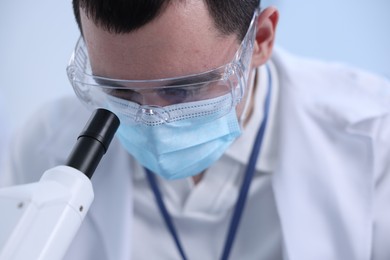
250	170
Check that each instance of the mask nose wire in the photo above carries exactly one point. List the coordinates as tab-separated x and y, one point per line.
151	114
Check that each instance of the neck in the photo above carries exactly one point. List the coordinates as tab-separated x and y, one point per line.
248	110
197	178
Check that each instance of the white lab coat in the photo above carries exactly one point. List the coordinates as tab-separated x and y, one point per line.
4	128
331	181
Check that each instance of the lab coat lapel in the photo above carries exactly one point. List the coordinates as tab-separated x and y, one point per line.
323	184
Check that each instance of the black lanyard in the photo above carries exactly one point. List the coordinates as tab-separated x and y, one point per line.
250	170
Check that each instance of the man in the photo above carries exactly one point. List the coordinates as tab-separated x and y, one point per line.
195	88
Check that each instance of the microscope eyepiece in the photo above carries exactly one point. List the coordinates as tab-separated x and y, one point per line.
93	141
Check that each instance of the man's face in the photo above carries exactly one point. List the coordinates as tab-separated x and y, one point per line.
183	40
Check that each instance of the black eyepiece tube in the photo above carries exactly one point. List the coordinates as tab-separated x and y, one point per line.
93	141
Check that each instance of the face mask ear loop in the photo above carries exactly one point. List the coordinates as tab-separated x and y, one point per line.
250	86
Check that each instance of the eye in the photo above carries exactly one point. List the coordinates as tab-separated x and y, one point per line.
127	94
180	95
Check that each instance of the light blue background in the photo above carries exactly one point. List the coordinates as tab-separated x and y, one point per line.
37	38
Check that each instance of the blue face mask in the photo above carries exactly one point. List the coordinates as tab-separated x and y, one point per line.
182	148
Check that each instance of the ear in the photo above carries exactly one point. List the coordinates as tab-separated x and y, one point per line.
265	36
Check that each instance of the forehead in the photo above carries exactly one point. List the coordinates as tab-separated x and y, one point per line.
182	40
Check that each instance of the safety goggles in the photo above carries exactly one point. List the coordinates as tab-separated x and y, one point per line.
205	96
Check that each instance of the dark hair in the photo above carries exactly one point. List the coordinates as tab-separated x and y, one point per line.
124	16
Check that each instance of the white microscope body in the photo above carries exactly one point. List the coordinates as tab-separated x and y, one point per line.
38	221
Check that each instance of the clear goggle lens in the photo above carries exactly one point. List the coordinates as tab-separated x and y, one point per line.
154	106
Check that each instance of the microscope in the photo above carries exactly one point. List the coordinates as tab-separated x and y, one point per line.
39	220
